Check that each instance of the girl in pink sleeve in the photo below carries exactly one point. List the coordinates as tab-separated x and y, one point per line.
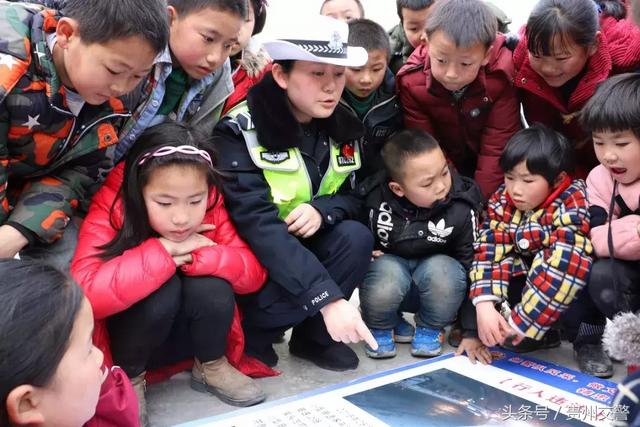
612	116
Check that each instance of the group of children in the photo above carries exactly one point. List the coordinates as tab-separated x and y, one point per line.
210	194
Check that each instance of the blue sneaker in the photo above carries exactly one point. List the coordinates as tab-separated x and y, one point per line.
403	332
427	342
386	346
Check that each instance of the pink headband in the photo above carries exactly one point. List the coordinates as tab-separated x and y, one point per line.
184	149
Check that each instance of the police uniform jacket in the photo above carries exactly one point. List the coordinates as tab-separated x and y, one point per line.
293	270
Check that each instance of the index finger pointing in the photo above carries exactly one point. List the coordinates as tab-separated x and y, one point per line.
365	334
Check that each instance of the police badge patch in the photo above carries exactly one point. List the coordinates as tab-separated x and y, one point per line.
346	155
275	157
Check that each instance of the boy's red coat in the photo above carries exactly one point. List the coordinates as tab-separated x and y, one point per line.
481	122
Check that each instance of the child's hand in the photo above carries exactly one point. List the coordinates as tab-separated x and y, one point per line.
377	254
11	241
492	327
475	350
185	247
304	221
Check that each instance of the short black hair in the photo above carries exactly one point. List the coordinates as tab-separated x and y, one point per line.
236	7
357	2
615	106
39	308
369	35
466	22
412	5
565	21
402	146
544	151
100	21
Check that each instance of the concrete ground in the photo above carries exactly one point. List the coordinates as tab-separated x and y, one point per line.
174	402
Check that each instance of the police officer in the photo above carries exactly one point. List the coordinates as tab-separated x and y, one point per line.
289	156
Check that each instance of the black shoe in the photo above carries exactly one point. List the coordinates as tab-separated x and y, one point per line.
334	357
550	340
592	360
266	354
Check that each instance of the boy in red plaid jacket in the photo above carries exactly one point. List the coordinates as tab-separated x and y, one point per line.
533	249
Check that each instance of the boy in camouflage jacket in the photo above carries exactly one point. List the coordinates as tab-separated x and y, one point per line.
61	74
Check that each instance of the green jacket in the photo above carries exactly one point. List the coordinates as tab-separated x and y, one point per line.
50	160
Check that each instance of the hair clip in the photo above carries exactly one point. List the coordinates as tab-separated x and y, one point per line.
183	149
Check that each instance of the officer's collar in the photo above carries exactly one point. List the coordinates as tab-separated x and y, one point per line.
277	127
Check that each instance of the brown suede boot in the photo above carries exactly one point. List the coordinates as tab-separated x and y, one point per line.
140	387
231	386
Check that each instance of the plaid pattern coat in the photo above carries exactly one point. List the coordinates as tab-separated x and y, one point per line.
50	160
554	237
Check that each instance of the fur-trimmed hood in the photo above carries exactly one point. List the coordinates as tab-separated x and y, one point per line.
278	129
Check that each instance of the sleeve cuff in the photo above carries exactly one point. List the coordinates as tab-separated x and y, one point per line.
28	234
482	298
316	298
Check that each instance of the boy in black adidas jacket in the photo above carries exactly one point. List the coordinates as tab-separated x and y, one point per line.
424	219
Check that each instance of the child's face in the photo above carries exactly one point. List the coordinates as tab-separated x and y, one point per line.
245	31
202	40
619	152
455	67
344	10
426	179
313	89
176	200
527	190
98	71
362	81
565	62
71	397
414	23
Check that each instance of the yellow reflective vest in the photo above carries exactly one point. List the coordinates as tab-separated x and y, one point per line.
286	172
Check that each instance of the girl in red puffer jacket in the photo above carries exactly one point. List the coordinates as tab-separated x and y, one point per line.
566	49
160	262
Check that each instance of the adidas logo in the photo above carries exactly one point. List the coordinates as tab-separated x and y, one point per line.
440	231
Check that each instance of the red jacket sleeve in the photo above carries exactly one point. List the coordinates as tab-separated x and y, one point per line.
231	259
114	285
414	115
503	122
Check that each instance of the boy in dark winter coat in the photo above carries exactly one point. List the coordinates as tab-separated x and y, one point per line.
409	33
458	87
424	219
370	93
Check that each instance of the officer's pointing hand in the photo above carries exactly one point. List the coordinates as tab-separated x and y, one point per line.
344	323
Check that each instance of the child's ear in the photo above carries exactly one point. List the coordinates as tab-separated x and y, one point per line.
66	29
561	177
173	14
396	188
280	76
594	47
23	406
487	56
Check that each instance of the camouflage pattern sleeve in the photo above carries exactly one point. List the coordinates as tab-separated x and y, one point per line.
46	204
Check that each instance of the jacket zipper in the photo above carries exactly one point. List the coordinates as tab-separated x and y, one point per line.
85	129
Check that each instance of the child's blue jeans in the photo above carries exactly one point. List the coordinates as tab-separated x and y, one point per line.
432	287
